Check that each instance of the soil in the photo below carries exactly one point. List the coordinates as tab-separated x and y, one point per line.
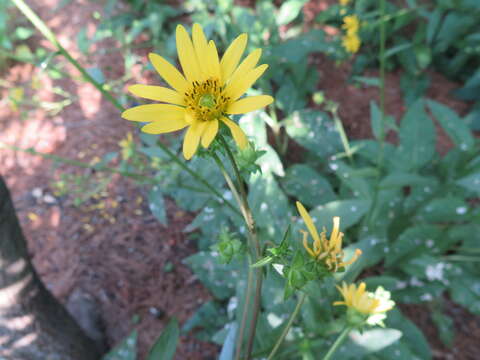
111	247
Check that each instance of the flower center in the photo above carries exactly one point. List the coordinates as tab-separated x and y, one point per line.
205	100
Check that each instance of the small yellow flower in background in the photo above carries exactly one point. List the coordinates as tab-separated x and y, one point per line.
351	43
206	94
344	2
329	251
351	24
372	305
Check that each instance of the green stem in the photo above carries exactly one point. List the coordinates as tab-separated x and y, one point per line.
250	222
43	28
337	343
288	326
382	78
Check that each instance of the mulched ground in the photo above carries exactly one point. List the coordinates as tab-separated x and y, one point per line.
111	247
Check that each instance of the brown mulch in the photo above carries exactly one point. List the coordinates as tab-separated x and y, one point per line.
111	247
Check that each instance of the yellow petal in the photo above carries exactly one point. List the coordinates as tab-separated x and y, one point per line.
210	132
336	227
306	246
213	62
308	221
168	72
246	65
154	112
236	89
201	48
164	126
158	93
248	104
232	56
339	303
237	133
192	139
187	55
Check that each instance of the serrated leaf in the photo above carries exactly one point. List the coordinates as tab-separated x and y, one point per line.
417	139
349	211
455	127
165	346
308	186
471	182
315	131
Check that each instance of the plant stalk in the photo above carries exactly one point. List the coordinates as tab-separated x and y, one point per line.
337	343
288	326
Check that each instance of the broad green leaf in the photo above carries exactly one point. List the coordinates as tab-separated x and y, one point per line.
471	182
412	335
401	179
448	209
126	350
289	11
465	288
357	180
413	242
417	138
228	347
315	131
375	339
308	186
165	346
453	125
349	211
156	203
206	321
445	327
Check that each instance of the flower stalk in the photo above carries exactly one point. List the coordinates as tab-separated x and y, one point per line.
337	343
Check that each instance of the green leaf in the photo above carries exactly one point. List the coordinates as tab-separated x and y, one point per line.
471	182
350	212
156	204
417	138
447	209
413	242
289	11
370	81
308	186
455	127
23	33
357	180
315	131
445	327
82	40
400	179
165	346
126	350
412	335
229	344
375	339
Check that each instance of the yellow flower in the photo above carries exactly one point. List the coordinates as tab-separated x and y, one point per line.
351	43
351	24
373	305
328	251
205	95
344	2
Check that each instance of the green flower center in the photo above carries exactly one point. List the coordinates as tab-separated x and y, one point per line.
206	100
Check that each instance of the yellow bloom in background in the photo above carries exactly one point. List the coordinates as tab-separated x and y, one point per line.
351	24
351	43
344	2
373	305
204	95
327	250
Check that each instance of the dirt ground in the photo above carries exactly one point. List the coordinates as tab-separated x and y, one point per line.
111	247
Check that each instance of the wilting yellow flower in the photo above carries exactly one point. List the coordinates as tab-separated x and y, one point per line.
374	305
328	251
351	24
351	43
206	94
